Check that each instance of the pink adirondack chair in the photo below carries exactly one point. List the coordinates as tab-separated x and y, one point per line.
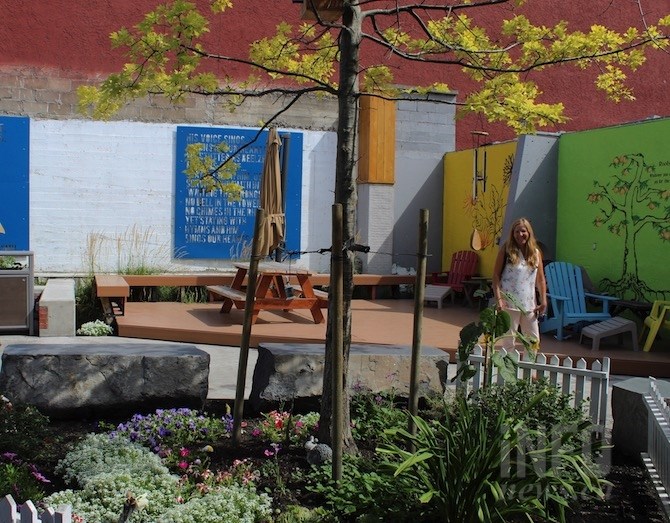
463	267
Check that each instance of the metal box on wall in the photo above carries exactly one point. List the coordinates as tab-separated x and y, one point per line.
17	300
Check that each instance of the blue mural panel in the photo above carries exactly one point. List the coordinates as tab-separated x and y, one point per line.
208	225
14	189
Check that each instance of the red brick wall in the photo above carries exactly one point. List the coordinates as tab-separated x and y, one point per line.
69	40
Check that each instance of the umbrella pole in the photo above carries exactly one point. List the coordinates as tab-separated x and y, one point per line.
285	142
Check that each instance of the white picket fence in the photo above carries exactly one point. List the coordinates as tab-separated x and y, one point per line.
574	378
657	457
27	513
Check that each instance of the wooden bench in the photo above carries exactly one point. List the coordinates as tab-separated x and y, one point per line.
224	291
113	291
320	294
369	280
179	280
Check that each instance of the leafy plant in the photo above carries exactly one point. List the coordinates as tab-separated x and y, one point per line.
479	467
372	414
20	479
271	469
493	325
23	428
281	426
554	412
88	307
9	262
365	493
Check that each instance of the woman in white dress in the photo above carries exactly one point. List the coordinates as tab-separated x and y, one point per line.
519	272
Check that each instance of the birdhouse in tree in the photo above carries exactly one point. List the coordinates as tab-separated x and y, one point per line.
328	10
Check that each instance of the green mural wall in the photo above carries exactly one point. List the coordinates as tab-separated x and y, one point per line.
614	207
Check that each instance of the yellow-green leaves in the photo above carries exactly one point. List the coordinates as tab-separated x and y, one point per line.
202	171
303	55
219	6
165	55
507	99
164	58
612	82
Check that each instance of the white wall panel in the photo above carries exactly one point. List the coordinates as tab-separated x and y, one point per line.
102	196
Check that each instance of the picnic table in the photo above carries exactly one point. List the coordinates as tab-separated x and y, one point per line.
272	291
474	284
640	308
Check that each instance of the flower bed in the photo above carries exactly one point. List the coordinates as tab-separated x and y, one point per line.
182	465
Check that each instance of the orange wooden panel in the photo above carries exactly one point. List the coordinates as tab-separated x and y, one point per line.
376	141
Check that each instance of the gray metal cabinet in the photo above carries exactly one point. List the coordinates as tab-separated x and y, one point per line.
17	301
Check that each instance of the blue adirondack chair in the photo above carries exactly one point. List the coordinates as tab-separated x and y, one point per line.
565	287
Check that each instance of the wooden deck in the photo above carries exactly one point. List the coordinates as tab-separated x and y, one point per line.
385	322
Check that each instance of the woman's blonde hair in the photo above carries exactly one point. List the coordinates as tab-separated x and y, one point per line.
529	251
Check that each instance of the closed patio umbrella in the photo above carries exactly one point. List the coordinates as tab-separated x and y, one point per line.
272	232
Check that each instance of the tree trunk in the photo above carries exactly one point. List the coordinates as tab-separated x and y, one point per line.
345	194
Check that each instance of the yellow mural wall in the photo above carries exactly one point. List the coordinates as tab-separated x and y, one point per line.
475	204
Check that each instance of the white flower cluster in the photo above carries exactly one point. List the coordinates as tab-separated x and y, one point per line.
107	469
95	328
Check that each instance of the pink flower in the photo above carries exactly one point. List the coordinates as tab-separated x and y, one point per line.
268	453
182	465
183	452
39	477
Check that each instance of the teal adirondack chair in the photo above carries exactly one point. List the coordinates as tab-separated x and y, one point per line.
565	287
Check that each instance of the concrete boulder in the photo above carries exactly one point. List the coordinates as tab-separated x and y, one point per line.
294	372
65	381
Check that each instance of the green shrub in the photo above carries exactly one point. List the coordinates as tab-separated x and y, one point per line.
23	429
372	414
87	305
365	493
479	465
553	413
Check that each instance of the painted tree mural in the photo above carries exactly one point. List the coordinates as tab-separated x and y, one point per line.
636	197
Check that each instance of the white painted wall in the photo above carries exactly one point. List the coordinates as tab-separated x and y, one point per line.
425	131
102	196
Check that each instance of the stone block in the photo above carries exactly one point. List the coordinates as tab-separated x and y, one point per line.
57	308
629	415
65	381
294	372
